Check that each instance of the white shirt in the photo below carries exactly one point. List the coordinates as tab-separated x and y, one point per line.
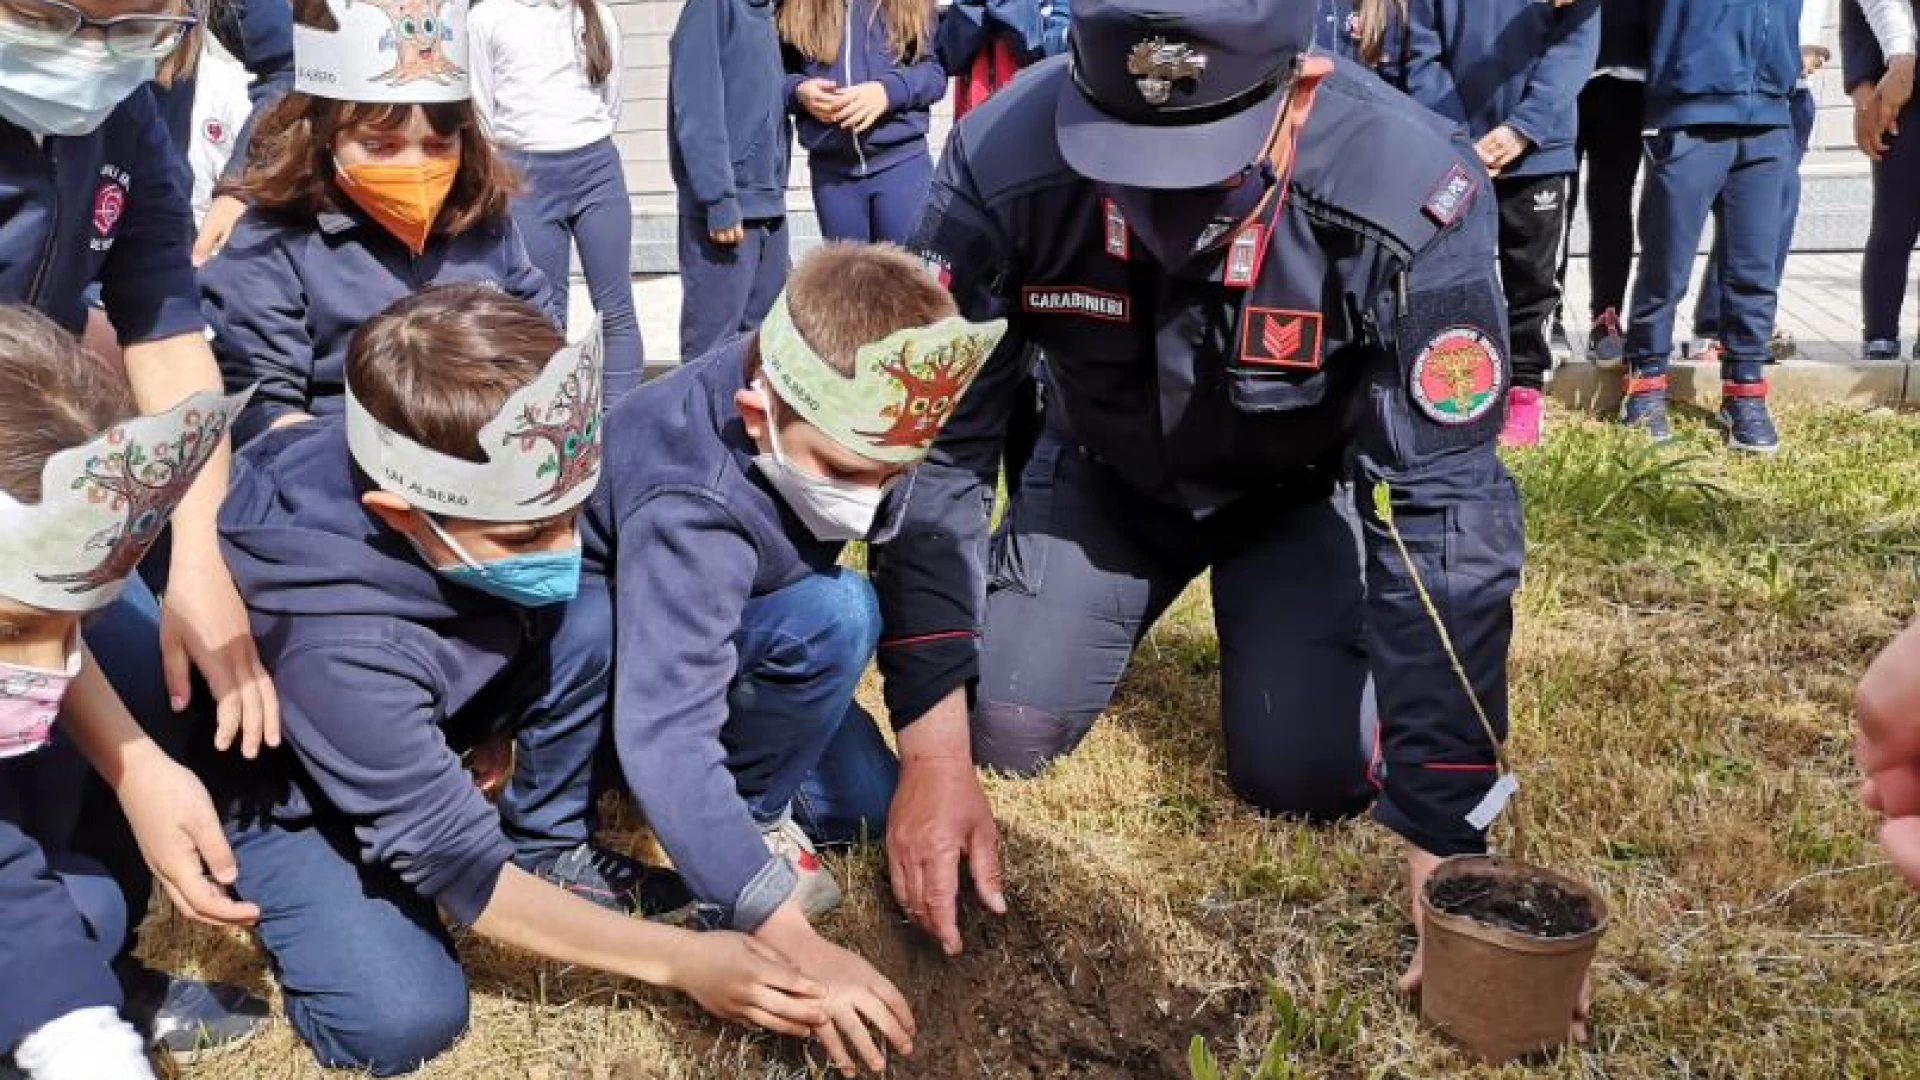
220	109
1893	25
529	75
1814	17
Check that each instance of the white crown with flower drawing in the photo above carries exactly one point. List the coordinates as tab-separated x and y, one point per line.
902	389
398	51
103	504
543	448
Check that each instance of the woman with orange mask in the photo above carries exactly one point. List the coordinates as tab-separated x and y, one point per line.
370	181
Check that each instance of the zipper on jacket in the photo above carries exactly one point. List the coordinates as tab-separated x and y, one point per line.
846	54
52	158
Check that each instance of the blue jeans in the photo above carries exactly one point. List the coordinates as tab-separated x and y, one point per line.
882	207
1689	170
579	198
795	738
1706	310
369	974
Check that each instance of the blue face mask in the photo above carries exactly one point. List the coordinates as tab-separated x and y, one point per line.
537	580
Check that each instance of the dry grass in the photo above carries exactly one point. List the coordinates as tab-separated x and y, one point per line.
1689	633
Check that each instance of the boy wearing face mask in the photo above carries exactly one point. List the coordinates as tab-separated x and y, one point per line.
378	180
68	541
732	488
415	569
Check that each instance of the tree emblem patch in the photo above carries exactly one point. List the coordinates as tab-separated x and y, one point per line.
1458	376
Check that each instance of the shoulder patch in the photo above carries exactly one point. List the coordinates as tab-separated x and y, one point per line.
1446	202
1458	376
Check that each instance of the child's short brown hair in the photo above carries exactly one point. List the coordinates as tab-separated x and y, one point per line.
438	365
290	161
846	296
54	395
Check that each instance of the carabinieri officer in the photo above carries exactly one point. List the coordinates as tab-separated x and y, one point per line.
1265	287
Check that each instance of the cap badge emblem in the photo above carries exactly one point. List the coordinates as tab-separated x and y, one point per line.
1157	64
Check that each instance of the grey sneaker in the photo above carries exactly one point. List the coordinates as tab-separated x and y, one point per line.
618	883
187	1019
1883	351
817	892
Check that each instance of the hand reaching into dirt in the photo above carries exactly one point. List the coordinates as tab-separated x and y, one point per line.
856	996
1420	867
1888	749
737	978
939	816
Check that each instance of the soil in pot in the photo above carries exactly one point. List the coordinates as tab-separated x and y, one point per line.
1508	946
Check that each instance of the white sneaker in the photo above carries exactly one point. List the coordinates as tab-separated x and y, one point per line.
817	892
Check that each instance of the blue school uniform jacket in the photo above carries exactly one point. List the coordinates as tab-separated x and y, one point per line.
285	296
728	141
914	83
372	652
1523	63
110	207
687	531
1721	62
1033	29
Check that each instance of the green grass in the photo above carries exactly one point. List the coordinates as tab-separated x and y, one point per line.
1689	634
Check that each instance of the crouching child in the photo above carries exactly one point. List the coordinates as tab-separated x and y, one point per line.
732	487
412	569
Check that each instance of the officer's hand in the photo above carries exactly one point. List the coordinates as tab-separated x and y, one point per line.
729	236
1500	148
940	815
217	227
860	107
1420	867
817	97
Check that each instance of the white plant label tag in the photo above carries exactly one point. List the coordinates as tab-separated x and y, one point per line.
1493	802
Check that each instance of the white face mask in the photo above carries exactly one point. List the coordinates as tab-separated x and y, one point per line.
66	91
834	511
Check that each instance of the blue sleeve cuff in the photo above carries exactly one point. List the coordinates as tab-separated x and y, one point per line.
763	895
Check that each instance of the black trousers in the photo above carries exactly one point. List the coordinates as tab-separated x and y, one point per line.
1533	220
1611	113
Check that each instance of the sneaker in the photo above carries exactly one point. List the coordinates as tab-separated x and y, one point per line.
1884	351
1606	342
1782	347
817	892
1645	406
187	1019
1743	412
1526	418
618	883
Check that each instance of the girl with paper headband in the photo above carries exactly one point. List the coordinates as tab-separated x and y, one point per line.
373	178
83	493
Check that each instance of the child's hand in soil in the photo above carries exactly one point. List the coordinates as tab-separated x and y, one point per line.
857	996
737	978
1420	867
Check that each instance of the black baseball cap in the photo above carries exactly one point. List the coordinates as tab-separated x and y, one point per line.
1174	94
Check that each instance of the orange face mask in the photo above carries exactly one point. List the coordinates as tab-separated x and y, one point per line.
404	199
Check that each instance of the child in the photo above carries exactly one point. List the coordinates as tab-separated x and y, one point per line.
1720	84
371	179
82	495
1524	117
415	569
728	141
546	79
862	82
1369	32
733	486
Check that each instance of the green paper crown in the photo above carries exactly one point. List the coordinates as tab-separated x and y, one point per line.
903	388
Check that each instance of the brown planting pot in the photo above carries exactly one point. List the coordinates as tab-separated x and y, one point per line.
1503	994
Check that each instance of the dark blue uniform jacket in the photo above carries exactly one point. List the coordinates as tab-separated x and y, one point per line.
285	296
687	531
110	207
1374	276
